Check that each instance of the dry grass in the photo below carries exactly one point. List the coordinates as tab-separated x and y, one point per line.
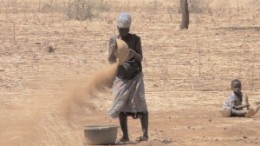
86	9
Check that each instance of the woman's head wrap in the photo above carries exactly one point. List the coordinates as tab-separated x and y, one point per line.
124	20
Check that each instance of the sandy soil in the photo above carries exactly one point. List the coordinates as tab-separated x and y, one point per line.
45	58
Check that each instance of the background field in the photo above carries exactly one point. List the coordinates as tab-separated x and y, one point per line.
47	51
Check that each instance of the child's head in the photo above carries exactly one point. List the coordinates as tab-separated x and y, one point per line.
236	86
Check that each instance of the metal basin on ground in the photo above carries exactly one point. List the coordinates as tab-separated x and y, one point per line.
100	134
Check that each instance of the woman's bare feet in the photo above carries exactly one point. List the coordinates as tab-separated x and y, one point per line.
141	138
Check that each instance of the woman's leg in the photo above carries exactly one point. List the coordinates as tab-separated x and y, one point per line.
144	124
123	125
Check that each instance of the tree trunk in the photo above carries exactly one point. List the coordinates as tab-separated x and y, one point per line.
185	14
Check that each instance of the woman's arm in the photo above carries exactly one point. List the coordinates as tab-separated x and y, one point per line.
111	52
138	54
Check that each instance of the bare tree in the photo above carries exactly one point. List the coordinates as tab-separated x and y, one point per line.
185	14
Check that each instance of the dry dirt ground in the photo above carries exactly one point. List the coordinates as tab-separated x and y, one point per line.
44	56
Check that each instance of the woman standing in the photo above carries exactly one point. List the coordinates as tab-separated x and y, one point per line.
128	86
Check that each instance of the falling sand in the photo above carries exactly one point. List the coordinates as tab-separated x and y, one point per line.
80	100
30	125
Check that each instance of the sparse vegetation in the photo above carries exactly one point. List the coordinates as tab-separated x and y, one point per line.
85	9
198	6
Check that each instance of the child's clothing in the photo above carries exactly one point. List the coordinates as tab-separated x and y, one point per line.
232	101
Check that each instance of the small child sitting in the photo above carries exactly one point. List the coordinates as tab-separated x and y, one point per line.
237	104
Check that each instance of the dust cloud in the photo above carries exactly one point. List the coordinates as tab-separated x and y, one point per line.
79	101
32	125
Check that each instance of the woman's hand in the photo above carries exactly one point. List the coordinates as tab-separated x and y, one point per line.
131	54
112	56
114	47
134	54
113	44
